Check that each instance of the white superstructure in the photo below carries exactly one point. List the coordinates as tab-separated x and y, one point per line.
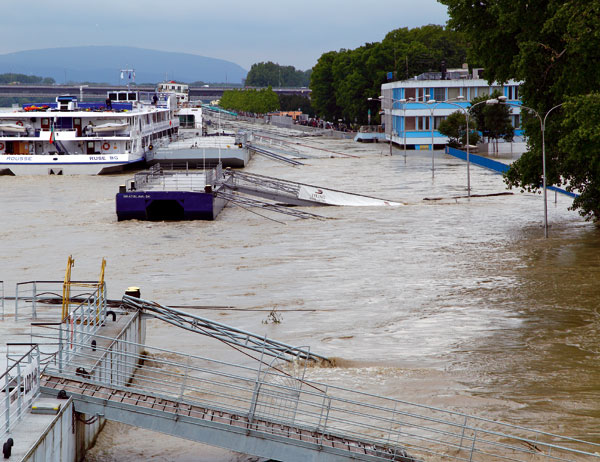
68	137
413	109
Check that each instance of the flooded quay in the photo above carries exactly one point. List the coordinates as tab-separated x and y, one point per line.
456	303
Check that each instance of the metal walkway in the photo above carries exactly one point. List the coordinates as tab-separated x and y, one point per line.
273	411
222	332
293	193
273	155
217	427
259	404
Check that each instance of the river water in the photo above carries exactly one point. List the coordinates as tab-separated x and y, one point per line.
455	303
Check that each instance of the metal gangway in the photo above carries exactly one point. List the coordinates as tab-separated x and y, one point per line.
294	193
273	155
274	189
230	335
260	401
272	410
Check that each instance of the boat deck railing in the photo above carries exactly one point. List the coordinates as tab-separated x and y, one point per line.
157	178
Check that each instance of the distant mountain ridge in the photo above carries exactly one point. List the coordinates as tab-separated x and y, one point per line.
103	64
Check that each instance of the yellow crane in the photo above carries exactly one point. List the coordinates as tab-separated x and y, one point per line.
66	298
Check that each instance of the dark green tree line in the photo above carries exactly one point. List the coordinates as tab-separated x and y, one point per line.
275	75
22	78
553	47
342	81
250	100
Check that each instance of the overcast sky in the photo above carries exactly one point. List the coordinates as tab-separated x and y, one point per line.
242	31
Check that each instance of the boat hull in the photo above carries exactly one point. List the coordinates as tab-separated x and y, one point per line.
75	164
201	157
168	205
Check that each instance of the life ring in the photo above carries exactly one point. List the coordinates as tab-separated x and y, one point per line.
19	123
1	146
150	147
105	146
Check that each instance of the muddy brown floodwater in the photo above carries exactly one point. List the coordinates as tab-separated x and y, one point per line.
460	304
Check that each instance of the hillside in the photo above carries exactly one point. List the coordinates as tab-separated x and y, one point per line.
102	64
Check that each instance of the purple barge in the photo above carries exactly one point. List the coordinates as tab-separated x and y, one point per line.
158	195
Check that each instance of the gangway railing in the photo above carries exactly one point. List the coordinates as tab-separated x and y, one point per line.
277	403
19	386
274	155
34	299
243	202
222	332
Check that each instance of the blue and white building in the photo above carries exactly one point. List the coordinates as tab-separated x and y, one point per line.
413	109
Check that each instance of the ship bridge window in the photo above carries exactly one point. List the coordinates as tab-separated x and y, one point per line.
64	123
122	96
112	96
132	97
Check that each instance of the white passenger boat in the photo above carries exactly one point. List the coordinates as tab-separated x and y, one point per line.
68	137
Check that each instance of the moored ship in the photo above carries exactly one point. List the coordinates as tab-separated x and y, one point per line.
71	137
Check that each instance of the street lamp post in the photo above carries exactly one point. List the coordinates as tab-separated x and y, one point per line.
502	99
391	119
431	105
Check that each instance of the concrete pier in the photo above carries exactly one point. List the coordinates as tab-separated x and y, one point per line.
50	429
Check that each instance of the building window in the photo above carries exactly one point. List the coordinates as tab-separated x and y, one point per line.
409	93
439	94
436	121
410	123
423	123
453	92
512	93
517	121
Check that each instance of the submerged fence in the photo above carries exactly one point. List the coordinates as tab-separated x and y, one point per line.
494	165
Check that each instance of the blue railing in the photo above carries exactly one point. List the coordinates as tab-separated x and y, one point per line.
494	165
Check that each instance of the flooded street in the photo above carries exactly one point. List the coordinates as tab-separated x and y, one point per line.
455	303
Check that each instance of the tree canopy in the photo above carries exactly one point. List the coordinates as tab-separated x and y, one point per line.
455	128
493	121
275	75
342	81
22	78
250	100
553	47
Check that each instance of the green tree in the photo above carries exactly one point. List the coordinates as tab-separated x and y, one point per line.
322	87
455	128
295	102
493	120
552	47
581	139
22	78
342	81
250	100
269	73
